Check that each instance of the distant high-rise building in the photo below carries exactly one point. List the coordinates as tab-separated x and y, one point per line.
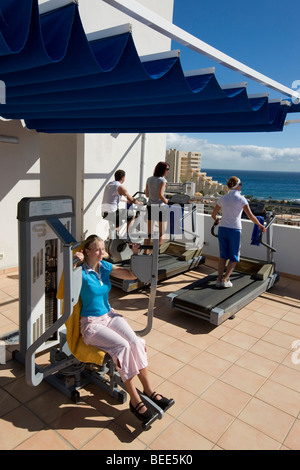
183	165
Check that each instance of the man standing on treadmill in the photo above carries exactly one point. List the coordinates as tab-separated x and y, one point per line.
111	199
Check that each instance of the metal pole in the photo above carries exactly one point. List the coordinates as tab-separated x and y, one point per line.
142	164
153	287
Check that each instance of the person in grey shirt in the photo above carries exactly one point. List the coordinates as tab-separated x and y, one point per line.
157	205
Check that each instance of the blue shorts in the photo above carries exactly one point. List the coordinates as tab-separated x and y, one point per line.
229	243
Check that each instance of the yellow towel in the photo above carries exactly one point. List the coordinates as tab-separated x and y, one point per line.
82	351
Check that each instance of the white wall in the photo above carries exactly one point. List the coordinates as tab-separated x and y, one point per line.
286	242
19	177
46	165
62	167
96	15
103	153
103	156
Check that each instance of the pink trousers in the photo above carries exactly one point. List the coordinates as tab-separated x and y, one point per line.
112	334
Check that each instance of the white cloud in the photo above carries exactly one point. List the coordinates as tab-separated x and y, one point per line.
241	157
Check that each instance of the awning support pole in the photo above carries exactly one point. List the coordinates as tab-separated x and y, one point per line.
142	165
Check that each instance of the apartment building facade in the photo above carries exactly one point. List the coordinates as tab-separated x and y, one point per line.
184	166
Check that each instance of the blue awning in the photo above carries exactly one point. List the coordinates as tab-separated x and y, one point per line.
58	81
294	108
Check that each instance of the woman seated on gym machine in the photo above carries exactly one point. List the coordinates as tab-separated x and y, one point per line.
102	327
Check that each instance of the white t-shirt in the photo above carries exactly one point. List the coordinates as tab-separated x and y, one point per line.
111	197
232	207
154	183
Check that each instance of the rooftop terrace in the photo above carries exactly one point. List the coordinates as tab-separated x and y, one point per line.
236	386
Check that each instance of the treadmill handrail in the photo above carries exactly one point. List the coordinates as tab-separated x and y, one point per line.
212	231
138	192
260	237
272	219
144	201
193	214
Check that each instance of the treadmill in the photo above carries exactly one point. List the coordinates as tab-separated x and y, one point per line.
174	257
250	279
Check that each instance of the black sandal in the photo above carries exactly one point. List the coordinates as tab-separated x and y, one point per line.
146	416
164	403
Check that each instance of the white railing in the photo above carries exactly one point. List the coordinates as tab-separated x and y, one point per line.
286	214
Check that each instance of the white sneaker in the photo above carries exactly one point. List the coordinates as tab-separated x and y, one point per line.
227	284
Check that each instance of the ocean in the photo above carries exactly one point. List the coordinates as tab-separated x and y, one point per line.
262	184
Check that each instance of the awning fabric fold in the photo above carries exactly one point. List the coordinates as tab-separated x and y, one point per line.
58	81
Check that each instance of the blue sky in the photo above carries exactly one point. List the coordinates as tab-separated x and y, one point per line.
264	35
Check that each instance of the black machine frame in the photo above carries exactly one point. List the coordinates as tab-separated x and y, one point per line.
174	256
251	278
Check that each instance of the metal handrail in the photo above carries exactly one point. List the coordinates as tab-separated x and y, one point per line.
153	287
260	237
271	220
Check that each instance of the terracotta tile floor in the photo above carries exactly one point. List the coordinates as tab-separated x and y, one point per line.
236	386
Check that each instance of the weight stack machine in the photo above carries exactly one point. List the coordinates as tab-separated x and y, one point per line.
46	227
